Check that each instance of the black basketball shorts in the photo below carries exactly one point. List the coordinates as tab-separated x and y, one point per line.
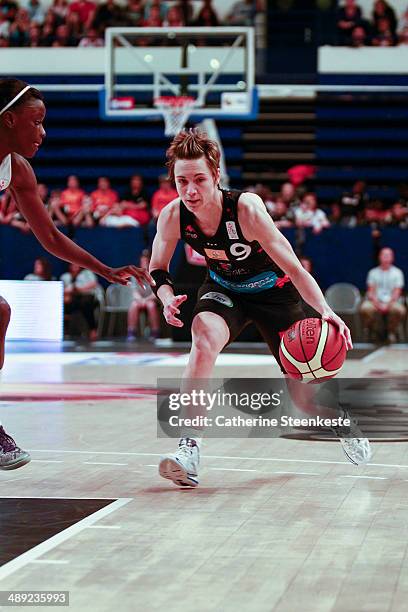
272	311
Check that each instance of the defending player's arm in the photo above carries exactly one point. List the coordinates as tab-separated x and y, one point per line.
257	225
25	192
164	244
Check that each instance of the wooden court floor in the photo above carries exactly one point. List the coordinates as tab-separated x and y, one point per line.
276	524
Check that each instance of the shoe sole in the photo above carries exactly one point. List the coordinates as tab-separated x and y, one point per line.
172	470
17	464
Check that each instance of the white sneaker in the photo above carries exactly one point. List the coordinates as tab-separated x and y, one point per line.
356	448
181	467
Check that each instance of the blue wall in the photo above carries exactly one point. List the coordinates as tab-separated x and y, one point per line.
339	254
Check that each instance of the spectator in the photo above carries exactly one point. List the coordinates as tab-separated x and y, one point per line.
374	213
207	16
48	29
288	195
71	201
154	20
103	199
403	37
398	215
36	12
135	203
144	300
348	18
134	13
308	215
34	34
165	194
60	9
158	4
42	270
108	14
4	42
18	32
384	36
383	300
174	18
359	37
85	9
242	13
92	39
63	37
4	25
186	11
353	204
282	217
382	10
80	288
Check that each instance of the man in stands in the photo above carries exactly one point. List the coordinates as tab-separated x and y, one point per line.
384	296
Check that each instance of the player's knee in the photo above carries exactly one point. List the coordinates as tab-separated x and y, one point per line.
206	339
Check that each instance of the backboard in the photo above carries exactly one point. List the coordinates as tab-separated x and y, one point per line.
215	66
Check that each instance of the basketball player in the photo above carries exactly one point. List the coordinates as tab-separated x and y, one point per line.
22	113
253	275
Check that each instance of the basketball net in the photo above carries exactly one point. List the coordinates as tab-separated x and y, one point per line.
176	111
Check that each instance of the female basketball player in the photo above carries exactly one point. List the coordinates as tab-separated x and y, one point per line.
22	113
253	275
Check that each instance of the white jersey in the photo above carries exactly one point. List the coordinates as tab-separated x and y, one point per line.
385	281
5	172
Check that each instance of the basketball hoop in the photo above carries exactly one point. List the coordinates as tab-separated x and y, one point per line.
176	111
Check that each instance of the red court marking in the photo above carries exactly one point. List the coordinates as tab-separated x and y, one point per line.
73	391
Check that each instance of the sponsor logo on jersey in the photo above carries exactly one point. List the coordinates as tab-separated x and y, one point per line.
255	284
190	232
218	297
216	254
3	184
232	230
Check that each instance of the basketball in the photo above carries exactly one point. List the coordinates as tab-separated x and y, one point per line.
312	349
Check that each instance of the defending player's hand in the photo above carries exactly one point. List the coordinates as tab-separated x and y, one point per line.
343	329
123	275
171	309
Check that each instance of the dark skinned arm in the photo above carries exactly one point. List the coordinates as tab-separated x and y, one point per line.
25	192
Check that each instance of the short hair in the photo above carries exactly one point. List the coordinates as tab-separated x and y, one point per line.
10	88
193	144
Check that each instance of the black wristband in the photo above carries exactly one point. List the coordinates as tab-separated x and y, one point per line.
161	277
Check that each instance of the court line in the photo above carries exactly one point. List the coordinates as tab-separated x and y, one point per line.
50	561
370	477
373	355
132	454
105	527
45	547
102	463
232	470
47	461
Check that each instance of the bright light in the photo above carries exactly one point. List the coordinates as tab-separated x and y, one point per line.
241	85
214	63
148	58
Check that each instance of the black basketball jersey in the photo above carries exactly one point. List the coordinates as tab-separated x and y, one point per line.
233	262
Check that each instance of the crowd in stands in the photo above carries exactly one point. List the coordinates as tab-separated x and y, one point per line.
33	23
381	29
74	207
293	206
298	207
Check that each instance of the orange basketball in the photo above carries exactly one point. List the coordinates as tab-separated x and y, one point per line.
312	349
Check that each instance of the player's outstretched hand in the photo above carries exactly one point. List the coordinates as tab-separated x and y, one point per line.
171	309
343	329
123	275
